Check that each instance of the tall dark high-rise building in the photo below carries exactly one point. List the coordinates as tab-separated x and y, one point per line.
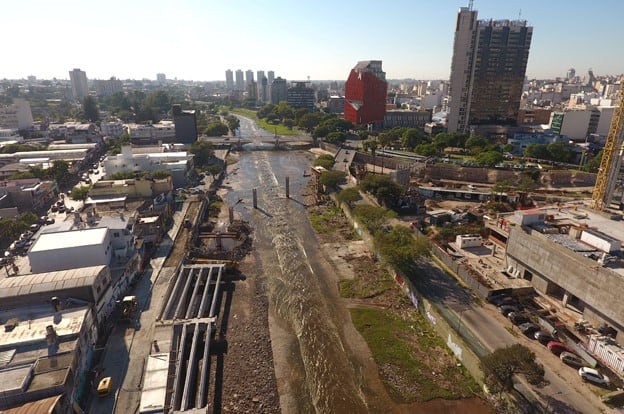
185	123
279	91
301	96
487	71
365	94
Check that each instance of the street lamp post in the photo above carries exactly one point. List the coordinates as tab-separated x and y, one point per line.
459	323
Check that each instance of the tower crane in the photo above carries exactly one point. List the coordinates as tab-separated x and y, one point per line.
611	156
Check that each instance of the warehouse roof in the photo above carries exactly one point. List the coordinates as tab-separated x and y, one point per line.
69	239
49	282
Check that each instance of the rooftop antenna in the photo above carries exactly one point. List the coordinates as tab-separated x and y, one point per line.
470	4
520	14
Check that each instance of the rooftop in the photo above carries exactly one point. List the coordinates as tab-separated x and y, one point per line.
48	282
64	240
29	329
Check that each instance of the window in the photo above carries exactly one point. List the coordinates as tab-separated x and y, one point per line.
116	234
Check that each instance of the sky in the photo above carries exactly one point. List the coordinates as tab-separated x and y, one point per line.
322	39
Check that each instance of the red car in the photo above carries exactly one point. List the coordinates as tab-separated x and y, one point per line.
557	348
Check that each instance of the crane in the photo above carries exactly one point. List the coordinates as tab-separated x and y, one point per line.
611	156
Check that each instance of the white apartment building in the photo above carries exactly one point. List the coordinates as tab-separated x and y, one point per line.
112	128
178	163
17	115
78	79
108	87
146	133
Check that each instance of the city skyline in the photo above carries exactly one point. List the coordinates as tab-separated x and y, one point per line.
414	40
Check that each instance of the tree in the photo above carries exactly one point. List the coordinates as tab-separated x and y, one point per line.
399	247
216	129
450	139
214	170
412	137
158	100
21	175
500	366
309	121
60	171
336	137
285	111
160	174
203	151
233	123
372	217
489	158
80	193
426	150
370	144
349	195
386	191
326	161
122	175
539	151
559	152
90	109
331	179
593	165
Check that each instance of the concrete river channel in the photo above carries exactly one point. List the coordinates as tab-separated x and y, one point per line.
318	377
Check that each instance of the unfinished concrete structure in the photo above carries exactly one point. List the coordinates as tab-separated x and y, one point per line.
569	254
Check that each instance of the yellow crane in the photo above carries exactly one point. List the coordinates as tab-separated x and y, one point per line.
611	156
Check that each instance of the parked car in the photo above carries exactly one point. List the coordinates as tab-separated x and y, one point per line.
26	235
61	209
500	300
34	227
50	220
517	318
590	374
529	328
544	337
507	309
54	208
571	359
557	348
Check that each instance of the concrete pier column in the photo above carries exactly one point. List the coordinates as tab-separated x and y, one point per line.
218	241
287	187
255	198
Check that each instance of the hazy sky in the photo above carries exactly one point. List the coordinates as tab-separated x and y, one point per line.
323	39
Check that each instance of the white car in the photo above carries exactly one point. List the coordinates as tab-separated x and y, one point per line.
590	374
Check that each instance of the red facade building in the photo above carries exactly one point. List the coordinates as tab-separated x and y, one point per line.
365	94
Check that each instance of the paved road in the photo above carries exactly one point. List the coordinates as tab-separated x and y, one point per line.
565	392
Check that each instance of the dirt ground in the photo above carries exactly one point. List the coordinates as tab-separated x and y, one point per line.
357	265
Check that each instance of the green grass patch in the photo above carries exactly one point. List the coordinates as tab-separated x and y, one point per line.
324	223
277	129
353	288
414	362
